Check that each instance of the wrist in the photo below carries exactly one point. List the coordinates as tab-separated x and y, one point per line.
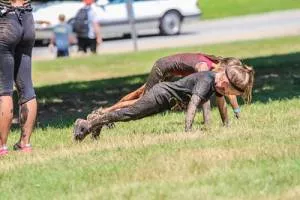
237	110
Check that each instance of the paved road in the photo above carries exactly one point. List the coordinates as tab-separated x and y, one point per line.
274	24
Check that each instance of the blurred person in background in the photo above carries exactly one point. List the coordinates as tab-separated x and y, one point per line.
17	36
62	37
87	28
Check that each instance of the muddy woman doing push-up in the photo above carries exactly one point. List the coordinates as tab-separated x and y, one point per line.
181	65
194	89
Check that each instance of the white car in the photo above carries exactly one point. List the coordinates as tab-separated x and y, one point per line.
151	16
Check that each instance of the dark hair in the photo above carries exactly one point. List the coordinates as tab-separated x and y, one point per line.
241	77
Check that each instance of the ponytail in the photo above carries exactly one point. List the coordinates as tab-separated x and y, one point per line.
247	95
237	76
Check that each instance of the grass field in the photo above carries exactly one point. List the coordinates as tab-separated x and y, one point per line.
226	8
257	157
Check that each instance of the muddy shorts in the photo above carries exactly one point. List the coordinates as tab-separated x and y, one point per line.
16	43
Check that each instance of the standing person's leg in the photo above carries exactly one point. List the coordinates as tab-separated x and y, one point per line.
63	53
81	44
23	80
93	45
6	91
6	110
59	53
67	53
9	35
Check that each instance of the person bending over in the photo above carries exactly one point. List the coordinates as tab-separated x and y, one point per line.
194	89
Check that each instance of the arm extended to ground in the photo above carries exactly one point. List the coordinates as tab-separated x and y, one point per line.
191	112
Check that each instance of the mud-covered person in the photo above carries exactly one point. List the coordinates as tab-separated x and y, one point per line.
195	89
181	65
16	43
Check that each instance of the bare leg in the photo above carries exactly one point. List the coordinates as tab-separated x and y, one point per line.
6	116
27	116
206	112
222	109
134	95
126	101
234	104
119	105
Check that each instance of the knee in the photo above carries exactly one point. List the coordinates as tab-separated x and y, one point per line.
6	107
26	94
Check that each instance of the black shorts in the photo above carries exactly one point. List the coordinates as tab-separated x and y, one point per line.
16	43
62	53
85	43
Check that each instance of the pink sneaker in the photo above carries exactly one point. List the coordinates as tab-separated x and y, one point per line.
26	148
3	151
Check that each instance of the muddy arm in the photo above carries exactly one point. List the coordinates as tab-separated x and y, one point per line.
234	104
191	112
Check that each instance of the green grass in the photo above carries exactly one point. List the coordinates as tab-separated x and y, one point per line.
257	157
127	64
226	8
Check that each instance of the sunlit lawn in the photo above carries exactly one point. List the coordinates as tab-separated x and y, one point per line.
227	8
257	157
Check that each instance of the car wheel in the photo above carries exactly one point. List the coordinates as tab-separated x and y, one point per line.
170	23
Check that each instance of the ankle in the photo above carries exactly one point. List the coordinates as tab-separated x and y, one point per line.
24	144
23	141
23	148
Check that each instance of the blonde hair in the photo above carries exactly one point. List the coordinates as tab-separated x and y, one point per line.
241	77
61	17
222	63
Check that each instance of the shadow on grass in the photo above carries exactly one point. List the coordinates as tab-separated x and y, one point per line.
277	77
